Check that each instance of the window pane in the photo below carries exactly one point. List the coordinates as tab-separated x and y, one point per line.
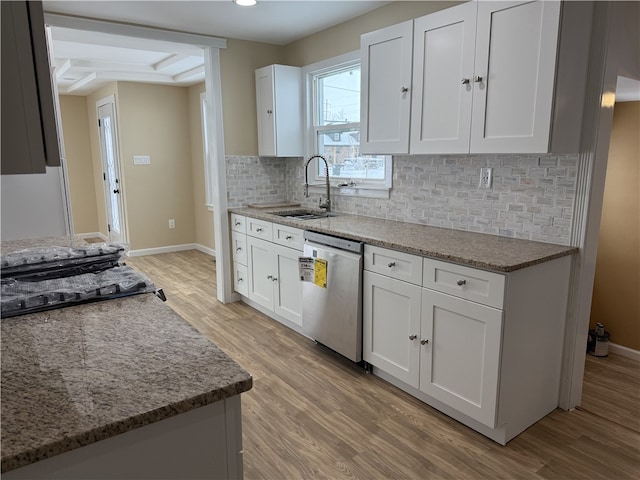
341	148
338	99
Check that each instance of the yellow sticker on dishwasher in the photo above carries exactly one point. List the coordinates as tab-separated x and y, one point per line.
320	273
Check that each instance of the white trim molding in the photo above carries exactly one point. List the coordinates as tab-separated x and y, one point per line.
209	251
141	252
624	351
93	235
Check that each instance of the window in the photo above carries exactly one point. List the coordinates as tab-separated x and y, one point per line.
333	116
208	187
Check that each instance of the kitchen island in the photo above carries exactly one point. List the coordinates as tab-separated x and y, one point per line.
123	388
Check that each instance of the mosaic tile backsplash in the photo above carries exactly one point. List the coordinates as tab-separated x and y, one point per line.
532	196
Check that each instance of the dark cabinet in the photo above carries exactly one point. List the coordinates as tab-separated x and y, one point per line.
29	132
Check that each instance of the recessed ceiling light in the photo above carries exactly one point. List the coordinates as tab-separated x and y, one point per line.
245	3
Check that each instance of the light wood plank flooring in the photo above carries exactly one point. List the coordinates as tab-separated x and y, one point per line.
314	415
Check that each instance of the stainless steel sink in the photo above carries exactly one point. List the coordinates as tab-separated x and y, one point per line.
305	214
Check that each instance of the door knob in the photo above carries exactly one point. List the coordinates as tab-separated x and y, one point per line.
116	191
424	341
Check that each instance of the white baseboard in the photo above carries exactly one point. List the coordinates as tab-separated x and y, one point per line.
624	351
93	235
172	248
207	250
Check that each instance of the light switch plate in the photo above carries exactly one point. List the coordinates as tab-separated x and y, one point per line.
141	159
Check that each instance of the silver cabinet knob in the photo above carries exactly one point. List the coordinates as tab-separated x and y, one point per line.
461	282
259	229
477	78
237	223
240	280
424	341
466	81
269	112
238	249
288	237
391	264
274	279
404	89
413	336
269	277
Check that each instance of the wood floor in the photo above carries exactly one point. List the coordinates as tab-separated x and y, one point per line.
313	415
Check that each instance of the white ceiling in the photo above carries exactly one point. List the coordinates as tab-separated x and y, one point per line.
87	60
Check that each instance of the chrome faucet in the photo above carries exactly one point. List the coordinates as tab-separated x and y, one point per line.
327	204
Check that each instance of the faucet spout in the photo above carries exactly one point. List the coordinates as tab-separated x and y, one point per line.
327	204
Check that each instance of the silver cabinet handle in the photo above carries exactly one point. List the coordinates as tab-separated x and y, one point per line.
269	112
240	280
477	78
238	249
391	264
461	282
258	229
413	336
404	89
466	81
269	277
274	279
237	223
288	237
424	341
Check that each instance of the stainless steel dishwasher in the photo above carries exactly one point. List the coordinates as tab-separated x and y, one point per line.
332	315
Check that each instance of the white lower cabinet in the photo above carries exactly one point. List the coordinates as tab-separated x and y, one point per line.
485	348
460	354
274	282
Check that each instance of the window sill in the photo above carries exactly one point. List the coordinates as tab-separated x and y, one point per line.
352	191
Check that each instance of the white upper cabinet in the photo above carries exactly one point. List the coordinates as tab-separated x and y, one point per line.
444	50
514	76
386	89
279	109
485	80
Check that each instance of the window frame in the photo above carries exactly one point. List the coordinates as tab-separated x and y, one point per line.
362	187
208	186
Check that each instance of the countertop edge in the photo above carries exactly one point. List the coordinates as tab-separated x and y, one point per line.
104	432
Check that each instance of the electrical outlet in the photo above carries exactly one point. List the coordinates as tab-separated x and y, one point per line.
486	177
172	223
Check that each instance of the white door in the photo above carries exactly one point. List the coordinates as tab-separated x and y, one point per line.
261	271
266	115
443	56
460	354
111	177
288	291
391	326
515	62
386	89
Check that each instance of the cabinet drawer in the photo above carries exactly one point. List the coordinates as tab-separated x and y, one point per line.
240	279
288	236
238	223
479	286
402	266
239	246
259	229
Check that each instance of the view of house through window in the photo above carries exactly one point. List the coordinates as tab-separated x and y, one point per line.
337	127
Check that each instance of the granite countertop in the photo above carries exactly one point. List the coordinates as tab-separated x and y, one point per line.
480	250
77	375
10	246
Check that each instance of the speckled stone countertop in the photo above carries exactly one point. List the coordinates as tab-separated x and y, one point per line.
77	375
9	246
480	250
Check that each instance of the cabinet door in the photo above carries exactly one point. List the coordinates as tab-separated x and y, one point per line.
265	98
460	358
391	326
443	56
288	287
239	247
261	271
240	278
515	57
385	93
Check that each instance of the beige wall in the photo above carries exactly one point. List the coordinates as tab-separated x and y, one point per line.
77	146
238	63
616	293
154	120
96	158
345	37
203	216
